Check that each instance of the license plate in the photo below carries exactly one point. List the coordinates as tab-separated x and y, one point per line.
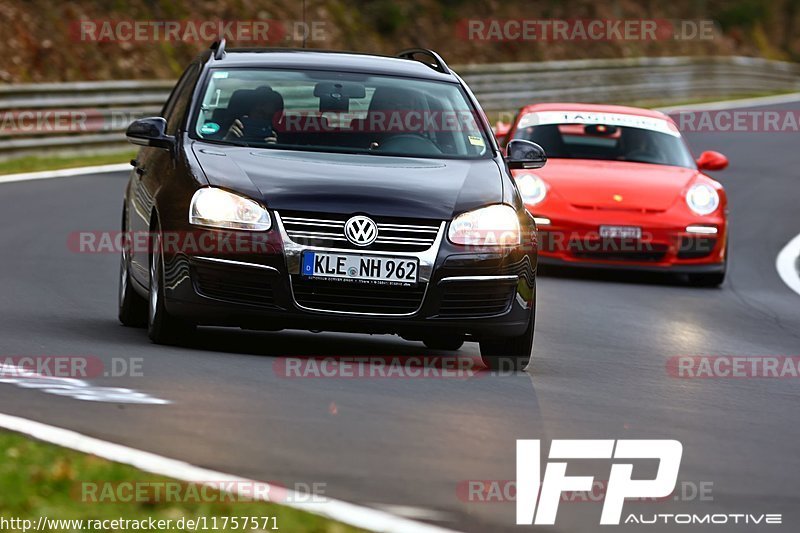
620	232
364	268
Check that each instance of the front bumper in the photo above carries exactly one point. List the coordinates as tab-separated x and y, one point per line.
665	245
703	268
460	292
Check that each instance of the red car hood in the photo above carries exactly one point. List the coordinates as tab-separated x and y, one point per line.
601	184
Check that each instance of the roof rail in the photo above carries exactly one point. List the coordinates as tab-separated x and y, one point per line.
219	49
438	63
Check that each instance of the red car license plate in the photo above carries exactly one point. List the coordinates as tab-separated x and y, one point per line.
620	232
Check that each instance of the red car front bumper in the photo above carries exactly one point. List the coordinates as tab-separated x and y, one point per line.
670	240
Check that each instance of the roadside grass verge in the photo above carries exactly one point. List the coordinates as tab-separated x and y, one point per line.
55	162
40	479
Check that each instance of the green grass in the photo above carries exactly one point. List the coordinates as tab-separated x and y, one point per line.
39	479
36	163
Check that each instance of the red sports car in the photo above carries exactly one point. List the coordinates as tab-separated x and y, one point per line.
621	190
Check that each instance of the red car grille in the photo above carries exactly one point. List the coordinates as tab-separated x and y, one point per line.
618	208
652	253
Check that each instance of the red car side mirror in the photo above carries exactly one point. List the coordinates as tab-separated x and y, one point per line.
712	161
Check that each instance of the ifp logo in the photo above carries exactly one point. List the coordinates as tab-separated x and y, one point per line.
620	484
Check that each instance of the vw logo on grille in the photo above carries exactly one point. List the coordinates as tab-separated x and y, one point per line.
361	230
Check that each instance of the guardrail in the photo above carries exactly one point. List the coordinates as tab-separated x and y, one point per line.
86	117
508	86
108	107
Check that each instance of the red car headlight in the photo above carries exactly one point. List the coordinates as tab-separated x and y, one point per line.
532	188
702	199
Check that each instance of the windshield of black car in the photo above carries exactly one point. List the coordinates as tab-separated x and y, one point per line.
339	112
609	142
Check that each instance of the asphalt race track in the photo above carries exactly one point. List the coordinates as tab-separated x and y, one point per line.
602	345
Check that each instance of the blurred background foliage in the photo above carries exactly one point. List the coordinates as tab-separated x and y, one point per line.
40	41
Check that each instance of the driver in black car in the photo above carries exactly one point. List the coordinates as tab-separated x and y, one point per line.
257	124
388	122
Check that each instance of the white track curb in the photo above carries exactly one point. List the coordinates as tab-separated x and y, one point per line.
49	174
355	515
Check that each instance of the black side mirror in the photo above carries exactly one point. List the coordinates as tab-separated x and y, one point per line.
524	154
150	132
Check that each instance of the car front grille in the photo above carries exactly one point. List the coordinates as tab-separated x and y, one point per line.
327	231
612	249
242	286
624	208
475	299
355	297
653	253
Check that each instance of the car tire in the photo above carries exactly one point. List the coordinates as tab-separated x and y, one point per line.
132	307
162	328
511	353
445	343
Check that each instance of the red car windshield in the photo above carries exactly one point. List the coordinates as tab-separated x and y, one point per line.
608	143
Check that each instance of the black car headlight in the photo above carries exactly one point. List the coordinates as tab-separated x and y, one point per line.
218	208
495	225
